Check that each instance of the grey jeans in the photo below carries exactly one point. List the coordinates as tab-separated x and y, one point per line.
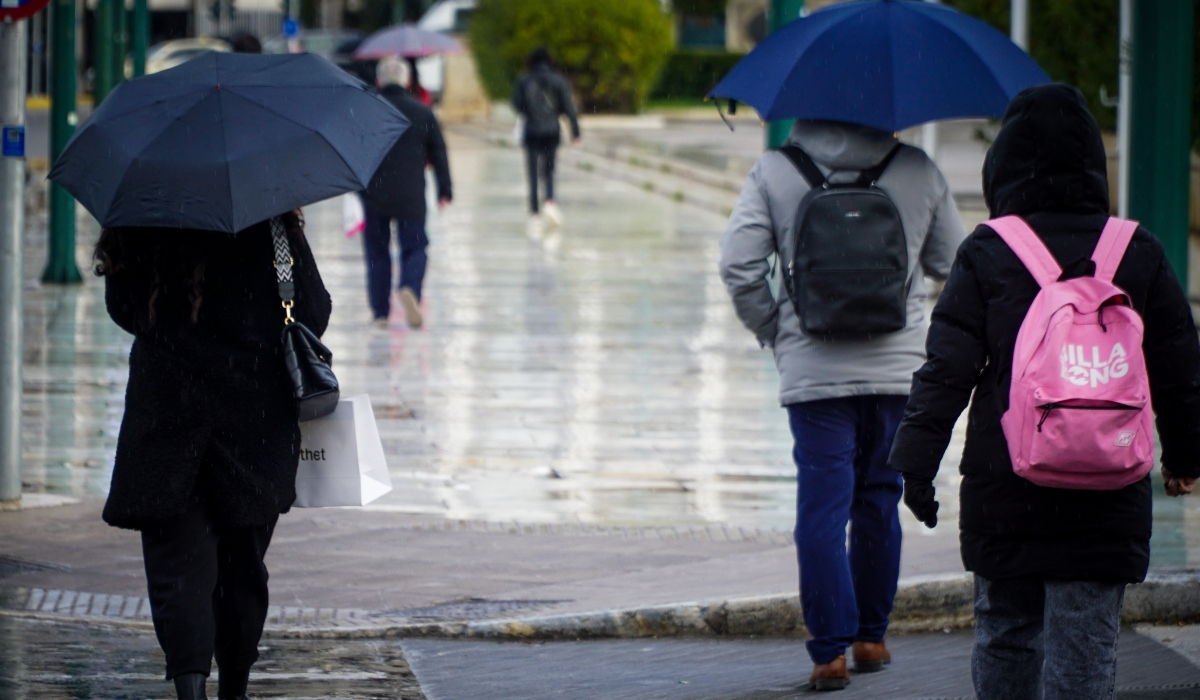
1054	640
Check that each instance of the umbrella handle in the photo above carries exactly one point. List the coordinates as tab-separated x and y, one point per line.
732	110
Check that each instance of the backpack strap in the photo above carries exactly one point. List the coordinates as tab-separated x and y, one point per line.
868	177
1028	247
1110	249
808	169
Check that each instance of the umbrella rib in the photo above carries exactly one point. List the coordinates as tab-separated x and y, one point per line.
315	130
149	142
799	58
971	51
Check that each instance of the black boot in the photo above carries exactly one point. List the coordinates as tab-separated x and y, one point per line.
231	684
190	686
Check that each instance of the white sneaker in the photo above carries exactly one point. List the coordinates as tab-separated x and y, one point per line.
412	310
534	228
553	214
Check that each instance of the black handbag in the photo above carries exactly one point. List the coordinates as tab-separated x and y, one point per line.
309	363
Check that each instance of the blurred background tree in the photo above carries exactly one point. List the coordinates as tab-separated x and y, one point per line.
1075	41
611	51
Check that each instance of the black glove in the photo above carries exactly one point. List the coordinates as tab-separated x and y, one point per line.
918	496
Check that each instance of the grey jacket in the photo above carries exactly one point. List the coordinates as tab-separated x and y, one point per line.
761	224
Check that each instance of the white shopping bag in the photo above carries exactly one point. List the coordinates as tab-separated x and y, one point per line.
341	458
354	219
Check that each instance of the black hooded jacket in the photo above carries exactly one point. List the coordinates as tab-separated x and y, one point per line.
1047	165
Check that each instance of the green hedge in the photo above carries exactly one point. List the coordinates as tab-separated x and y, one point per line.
690	74
611	51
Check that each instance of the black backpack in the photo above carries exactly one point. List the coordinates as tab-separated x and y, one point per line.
848	275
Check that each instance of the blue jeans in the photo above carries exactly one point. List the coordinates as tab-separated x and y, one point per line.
841	453
377	235
1054	640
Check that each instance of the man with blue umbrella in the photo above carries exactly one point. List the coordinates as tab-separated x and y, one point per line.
858	222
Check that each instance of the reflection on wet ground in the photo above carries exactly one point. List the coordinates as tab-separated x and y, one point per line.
49	660
598	377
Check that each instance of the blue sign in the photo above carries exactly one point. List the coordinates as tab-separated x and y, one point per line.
291	28
12	142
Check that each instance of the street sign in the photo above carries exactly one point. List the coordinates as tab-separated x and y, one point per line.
12	141
291	28
14	10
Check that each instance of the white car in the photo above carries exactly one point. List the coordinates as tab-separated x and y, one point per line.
172	53
448	16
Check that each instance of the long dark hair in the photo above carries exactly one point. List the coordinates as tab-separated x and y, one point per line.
175	260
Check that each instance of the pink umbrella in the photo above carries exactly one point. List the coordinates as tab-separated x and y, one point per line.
405	41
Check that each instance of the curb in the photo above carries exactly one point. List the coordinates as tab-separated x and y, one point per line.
940	603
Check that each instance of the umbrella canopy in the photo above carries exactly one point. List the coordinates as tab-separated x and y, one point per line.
890	64
227	140
406	41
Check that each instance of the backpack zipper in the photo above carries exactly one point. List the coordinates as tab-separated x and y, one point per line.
1047	408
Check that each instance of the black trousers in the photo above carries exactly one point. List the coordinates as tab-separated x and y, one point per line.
539	156
208	590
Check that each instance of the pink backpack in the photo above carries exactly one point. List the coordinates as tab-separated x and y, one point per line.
1079	412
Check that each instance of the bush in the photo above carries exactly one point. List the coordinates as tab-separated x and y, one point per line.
610	51
691	74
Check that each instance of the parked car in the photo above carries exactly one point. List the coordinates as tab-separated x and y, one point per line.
449	16
169	54
327	43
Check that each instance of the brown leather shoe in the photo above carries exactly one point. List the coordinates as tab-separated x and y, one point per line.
870	657
830	676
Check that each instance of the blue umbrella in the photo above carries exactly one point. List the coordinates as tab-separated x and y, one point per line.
890	64
227	140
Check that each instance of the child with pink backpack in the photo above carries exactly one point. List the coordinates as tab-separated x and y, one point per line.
1072	339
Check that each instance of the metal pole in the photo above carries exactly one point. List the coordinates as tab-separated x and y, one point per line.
1124	106
60	243
120	42
1160	136
141	36
779	14
37	54
1019	23
12	230
102	50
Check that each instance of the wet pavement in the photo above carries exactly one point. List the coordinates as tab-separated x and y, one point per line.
48	660
600	377
51	660
591	398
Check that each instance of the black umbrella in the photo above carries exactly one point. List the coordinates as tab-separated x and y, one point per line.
227	140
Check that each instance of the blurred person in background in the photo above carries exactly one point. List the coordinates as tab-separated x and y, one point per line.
245	42
414	86
397	193
541	96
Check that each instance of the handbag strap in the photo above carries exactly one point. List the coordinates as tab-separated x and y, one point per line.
283	268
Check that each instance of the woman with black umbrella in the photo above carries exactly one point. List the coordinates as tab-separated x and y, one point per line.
209	445
197	174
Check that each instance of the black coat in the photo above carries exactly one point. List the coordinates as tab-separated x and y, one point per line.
397	190
541	96
1048	166
209	409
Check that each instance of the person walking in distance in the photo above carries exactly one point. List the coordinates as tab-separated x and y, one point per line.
858	221
396	193
1055	497
209	443
541	96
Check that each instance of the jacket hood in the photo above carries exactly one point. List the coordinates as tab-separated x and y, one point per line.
1048	156
841	146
